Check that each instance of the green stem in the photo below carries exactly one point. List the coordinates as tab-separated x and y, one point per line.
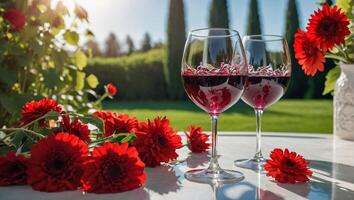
20	129
105	95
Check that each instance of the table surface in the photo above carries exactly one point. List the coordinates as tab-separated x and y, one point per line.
332	161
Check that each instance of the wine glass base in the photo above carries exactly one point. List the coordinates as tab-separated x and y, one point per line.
255	164
210	176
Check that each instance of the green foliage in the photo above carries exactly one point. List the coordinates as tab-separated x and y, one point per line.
34	62
138	76
254	23
175	44
218	16
331	79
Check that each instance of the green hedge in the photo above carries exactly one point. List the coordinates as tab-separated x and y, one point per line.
138	76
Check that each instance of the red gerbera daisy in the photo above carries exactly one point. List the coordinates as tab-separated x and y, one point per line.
104	115
197	140
120	123
157	142
117	123
287	167
13	169
36	109
309	56
113	168
15	18
112	89
56	163
76	128
328	26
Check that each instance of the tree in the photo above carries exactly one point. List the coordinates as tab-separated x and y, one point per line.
130	45
112	46
94	47
218	17
299	81
146	44
176	36
254	23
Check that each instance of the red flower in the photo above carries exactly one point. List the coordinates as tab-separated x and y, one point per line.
112	89
75	127
328	26
117	123
287	167
104	115
197	140
36	109
309	56
120	123
16	18
56	163
113	168
13	169
157	142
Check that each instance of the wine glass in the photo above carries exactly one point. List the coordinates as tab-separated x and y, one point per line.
214	73
268	78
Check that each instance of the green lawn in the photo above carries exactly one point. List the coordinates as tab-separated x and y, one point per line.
306	116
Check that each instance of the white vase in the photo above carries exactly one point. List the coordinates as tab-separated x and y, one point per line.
343	103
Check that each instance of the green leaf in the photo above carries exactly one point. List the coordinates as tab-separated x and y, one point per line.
19	138
92	81
14	102
122	138
7	76
80	80
91	119
80	59
52	115
346	6
331	79
51	78
71	37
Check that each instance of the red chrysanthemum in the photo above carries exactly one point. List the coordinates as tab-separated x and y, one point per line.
287	167
15	18
328	26
112	89
117	123
75	127
113	168
56	163
36	109
157	142
13	169
197	140
308	55
120	123
104	115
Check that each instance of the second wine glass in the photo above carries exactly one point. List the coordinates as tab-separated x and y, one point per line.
268	78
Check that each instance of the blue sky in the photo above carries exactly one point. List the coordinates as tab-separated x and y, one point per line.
135	17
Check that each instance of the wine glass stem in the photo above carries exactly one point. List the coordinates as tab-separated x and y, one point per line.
259	113
214	165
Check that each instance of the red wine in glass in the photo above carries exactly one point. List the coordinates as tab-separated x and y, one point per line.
214	93
263	91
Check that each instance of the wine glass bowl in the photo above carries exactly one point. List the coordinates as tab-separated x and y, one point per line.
214	73
268	78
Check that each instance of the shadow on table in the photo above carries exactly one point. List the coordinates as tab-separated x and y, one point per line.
323	188
299	136
162	179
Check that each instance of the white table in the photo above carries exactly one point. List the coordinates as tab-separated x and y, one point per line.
332	161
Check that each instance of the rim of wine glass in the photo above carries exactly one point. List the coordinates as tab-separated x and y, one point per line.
275	38
233	33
